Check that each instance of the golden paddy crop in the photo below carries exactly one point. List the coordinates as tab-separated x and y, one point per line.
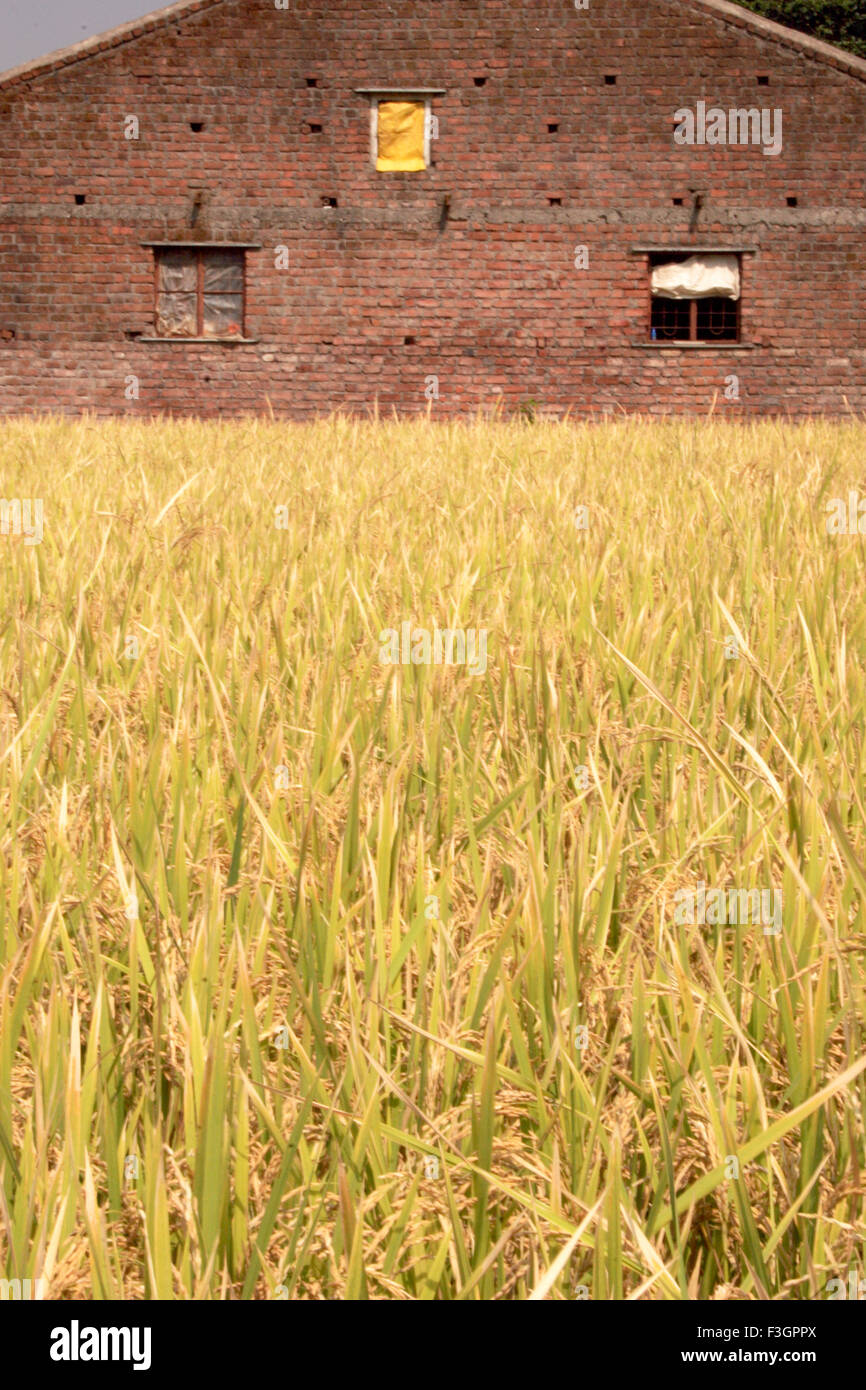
329	975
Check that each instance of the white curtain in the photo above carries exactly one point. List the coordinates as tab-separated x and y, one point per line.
700	277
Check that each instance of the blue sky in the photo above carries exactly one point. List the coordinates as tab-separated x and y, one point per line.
30	28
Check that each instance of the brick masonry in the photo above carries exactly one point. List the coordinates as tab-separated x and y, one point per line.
469	259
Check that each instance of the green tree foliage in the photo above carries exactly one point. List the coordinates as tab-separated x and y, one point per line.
842	22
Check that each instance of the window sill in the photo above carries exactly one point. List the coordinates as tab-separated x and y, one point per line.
679	344
174	342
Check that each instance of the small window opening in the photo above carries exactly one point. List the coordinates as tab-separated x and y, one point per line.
555	202
328	202
200	292
481	81
312	81
196	126
610	79
552	127
763	80
679	202
409	341
678	316
402	131
792	202
315	128
80	199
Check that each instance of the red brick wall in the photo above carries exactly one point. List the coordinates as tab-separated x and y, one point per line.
490	294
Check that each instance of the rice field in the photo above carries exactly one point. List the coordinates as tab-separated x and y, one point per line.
329	969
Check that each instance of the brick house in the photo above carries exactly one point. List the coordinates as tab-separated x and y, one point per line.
237	206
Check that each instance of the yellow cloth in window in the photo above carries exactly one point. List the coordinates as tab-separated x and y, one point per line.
401	136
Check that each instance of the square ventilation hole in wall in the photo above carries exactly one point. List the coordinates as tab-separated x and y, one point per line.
610	79
328	201
552	127
792	202
763	79
481	81
80	199
196	127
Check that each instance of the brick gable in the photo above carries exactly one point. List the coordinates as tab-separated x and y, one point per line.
468	272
